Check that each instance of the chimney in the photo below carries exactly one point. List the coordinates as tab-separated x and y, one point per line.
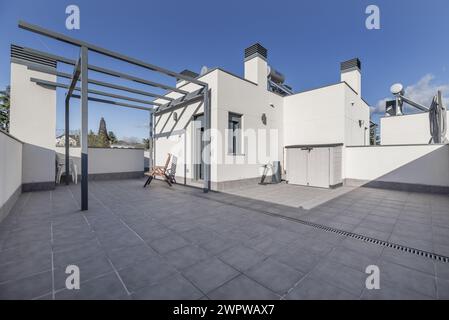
256	67
188	73
351	74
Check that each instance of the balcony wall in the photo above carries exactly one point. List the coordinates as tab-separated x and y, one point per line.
10	172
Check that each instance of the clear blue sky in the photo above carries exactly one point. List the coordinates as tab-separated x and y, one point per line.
306	40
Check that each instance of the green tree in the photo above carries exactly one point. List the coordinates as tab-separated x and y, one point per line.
146	143
103	137
4	108
112	137
91	139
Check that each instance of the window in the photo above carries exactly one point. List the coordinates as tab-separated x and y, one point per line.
235	135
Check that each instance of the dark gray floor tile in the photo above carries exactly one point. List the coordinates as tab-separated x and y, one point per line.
145	273
402	277
352	259
122	257
443	289
311	289
186	256
65	258
274	275
242	288
210	274
169	243
173	288
107	287
299	258
25	267
391	292
27	288
409	260
242	257
340	276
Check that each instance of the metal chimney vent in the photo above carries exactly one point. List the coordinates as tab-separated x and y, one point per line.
256	49
350	64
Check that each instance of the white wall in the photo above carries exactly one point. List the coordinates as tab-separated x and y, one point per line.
108	160
10	168
315	117
356	109
406	129
33	108
261	143
33	121
417	164
38	164
228	94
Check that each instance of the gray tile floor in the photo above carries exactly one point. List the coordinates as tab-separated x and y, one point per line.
178	243
289	194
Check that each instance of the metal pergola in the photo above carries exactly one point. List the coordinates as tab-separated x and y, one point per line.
80	74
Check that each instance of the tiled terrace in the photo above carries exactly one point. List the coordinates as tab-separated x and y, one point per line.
178	243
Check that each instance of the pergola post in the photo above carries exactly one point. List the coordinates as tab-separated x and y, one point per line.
151	141
67	140
207	140
84	128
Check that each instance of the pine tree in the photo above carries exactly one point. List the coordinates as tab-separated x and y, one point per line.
4	108
103	138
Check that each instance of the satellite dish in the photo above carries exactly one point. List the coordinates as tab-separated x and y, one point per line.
204	70
397	88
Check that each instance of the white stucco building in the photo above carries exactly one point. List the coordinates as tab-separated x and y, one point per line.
252	125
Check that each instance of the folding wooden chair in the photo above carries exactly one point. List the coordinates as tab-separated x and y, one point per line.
159	171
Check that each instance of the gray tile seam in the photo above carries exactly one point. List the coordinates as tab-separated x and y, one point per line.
52	264
25	277
146	244
100	244
246	275
403	248
107	258
307	275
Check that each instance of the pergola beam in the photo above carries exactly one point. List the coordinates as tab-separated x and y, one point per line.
100	83
92	91
74	79
61	37
106	71
84	129
122	104
177	105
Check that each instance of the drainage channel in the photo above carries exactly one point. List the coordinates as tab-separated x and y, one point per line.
399	247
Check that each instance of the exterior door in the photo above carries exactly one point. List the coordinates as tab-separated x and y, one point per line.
319	168
198	163
297	161
309	167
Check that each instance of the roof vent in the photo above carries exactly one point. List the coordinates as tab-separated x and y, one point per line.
351	64
256	50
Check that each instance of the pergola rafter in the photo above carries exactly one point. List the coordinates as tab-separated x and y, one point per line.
80	74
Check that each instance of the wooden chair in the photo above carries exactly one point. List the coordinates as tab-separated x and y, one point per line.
171	172
159	171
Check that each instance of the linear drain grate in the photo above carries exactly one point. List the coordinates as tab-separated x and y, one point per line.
418	252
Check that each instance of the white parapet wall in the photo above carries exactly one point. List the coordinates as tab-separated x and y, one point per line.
109	163
10	172
420	167
406	129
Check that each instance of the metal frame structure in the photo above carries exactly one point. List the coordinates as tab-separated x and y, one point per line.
81	74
